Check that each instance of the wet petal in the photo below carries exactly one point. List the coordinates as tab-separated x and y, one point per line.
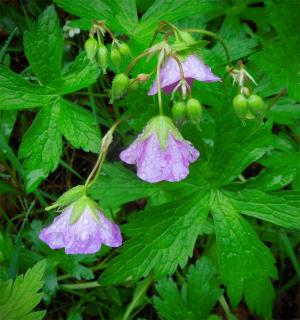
83	237
110	233
195	68
132	153
54	234
152	165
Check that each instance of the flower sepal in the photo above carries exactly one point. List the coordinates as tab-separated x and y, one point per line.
80	205
162	126
68	197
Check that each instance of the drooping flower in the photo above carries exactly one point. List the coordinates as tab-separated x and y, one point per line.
81	228
193	69
160	152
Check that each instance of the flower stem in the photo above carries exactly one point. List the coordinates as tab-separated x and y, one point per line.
106	141
159	62
215	36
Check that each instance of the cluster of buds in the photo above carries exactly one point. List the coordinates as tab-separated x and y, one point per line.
187	111
247	105
96	49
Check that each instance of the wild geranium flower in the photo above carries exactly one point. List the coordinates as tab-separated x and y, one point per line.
193	69
81	228
160	152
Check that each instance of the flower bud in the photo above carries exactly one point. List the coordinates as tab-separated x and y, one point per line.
186	37
120	86
124	49
178	111
91	46
115	57
193	110
257	106
240	106
142	77
102	55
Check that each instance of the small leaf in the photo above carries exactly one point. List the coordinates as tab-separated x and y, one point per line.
43	46
17	93
79	126
245	262
199	293
82	73
18	298
41	145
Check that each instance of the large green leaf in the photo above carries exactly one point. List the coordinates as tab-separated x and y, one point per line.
43	46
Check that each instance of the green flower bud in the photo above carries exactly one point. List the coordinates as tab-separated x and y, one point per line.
91	46
115	57
178	111
186	37
120	86
240	106
124	49
257	106
193	110
102	55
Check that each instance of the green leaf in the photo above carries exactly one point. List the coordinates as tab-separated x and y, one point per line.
120	16
82	73
7	122
41	145
78	126
18	298
160	239
171	11
111	189
235	146
266	206
43	46
273	58
198	294
17	93
246	264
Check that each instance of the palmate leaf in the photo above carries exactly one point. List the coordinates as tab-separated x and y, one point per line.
41	145
198	294
18	298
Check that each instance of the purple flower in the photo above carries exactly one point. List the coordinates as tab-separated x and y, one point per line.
160	152
193	69
85	235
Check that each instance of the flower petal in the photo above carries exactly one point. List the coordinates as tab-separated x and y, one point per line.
152	165
132	153
83	237
110	233
193	68
54	234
